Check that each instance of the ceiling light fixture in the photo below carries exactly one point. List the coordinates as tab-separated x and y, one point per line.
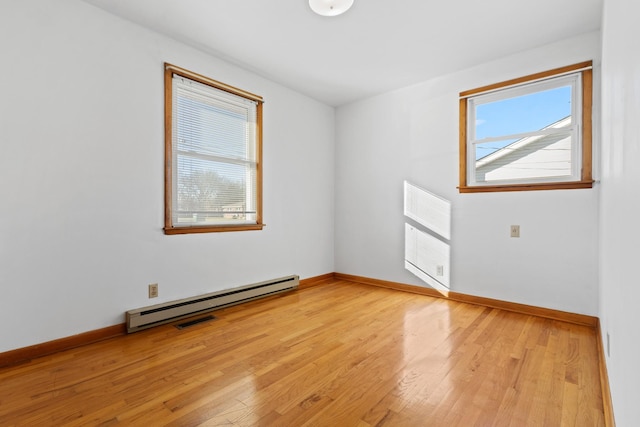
330	7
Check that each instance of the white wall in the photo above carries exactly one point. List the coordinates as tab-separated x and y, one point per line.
412	134
620	205
81	176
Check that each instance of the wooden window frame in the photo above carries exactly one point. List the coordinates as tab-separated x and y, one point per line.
586	179
169	71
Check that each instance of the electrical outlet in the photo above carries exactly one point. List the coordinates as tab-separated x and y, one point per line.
515	231
153	290
440	270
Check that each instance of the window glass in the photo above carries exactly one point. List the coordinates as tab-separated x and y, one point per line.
524	113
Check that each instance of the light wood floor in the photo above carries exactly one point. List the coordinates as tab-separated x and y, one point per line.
339	354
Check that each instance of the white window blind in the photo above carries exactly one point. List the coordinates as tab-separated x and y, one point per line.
214	155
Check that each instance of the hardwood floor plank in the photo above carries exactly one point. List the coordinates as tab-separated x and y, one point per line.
333	354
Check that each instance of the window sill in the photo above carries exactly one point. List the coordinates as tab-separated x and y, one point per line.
527	187
216	229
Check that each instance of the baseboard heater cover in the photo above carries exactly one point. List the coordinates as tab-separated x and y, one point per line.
147	317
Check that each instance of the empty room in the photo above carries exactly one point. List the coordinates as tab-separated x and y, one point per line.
319	213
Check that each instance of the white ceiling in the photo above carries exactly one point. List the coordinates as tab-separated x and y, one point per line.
375	47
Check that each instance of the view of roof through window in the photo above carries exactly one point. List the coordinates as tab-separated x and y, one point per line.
502	123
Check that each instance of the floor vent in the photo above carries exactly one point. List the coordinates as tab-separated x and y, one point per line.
194	322
159	314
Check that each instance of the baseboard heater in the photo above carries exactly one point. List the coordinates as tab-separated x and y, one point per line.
159	314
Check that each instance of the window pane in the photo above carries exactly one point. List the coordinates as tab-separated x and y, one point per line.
210	192
520	114
540	157
485	149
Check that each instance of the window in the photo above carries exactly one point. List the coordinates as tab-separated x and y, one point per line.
213	150
531	133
